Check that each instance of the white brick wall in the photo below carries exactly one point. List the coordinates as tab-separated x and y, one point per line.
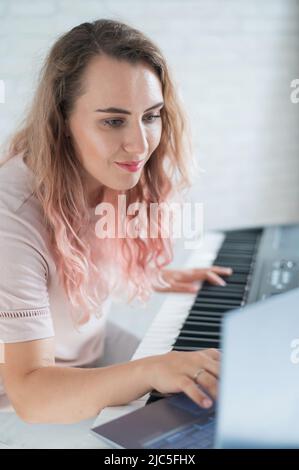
233	61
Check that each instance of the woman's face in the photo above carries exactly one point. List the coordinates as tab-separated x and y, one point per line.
113	145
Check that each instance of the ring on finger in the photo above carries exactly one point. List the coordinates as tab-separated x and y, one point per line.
200	371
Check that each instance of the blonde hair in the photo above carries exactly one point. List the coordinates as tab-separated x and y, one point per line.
58	181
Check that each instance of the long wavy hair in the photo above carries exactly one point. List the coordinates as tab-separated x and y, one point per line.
83	260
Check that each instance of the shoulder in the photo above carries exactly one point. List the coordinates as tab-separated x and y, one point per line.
21	215
15	183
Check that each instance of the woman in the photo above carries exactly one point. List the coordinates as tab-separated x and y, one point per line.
74	151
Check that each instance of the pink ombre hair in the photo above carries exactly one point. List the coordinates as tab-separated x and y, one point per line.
82	259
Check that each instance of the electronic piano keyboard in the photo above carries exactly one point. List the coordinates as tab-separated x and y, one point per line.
265	262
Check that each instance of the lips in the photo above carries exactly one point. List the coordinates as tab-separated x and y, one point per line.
130	166
132	162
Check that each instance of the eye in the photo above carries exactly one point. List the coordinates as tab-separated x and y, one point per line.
112	122
118	122
152	117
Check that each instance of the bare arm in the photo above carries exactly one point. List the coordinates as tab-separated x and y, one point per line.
42	392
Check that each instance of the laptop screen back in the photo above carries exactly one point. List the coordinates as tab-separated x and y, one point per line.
259	388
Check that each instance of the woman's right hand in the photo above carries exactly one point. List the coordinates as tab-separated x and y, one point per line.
188	372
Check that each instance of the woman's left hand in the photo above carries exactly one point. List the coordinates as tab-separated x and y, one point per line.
189	280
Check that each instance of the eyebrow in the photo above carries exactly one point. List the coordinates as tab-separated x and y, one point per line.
124	111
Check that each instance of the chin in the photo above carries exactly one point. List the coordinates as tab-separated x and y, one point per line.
124	185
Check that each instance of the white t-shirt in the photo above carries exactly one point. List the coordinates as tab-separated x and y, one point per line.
33	304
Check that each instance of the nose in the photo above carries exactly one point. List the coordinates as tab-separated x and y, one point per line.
135	140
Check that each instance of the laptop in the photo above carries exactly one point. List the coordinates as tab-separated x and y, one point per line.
258	405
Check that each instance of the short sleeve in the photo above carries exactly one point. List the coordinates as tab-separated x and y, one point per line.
24	302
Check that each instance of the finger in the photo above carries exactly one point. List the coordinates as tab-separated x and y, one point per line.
224	271
207	363
199	274
189	275
209	383
179	287
185	287
213	353
191	389
196	275
214	279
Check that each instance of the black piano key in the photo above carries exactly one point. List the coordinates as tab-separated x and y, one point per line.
190	348
236	247
243	261
238	258
203	333
222	295
212	319
218	294
190	337
197	343
234	255
242	235
193	314
236	277
198	307
233	265
199	334
197	326
232	288
235	282
215	300
244	257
